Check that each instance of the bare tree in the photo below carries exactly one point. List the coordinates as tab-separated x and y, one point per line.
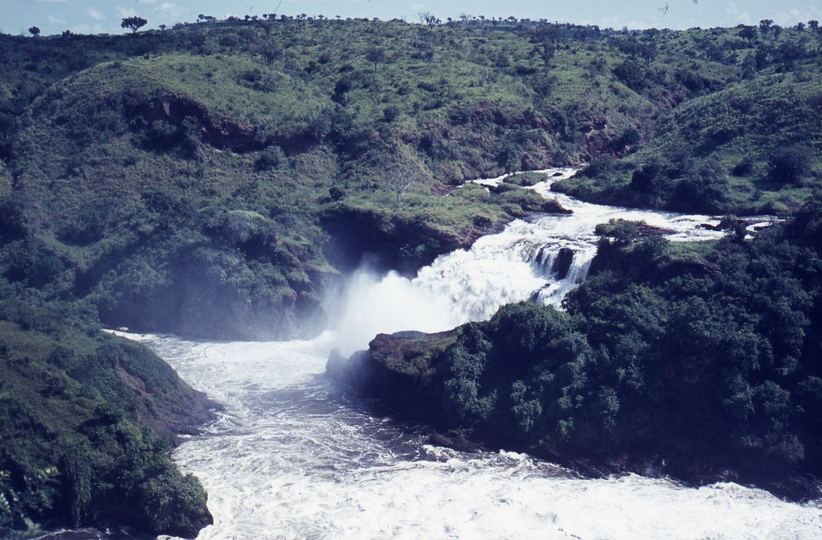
398	180
428	19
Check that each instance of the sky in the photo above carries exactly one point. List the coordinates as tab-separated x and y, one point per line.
104	16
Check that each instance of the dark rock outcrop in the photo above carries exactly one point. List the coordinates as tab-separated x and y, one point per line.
401	369
217	133
393	241
563	263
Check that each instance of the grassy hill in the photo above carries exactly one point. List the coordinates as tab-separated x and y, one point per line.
189	173
751	146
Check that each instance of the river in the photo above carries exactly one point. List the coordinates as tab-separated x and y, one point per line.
292	456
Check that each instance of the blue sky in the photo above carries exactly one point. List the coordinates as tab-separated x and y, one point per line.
104	16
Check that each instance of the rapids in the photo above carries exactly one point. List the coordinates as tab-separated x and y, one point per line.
293	457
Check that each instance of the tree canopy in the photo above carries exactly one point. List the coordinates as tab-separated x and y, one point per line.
133	23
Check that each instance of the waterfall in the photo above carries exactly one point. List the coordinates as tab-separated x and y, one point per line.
540	259
292	457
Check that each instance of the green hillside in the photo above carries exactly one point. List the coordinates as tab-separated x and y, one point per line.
86	420
227	167
751	147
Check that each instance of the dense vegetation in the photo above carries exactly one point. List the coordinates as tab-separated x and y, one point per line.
699	362
86	419
212	178
747	147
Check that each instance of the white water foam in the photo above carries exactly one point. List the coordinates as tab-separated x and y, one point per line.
292	458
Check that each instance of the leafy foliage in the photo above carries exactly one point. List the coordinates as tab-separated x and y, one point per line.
79	417
790	164
133	23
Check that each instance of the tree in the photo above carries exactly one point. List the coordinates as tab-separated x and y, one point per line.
632	73
399	180
747	32
704	187
652	178
390	113
428	19
34	31
375	55
270	158
625	142
133	23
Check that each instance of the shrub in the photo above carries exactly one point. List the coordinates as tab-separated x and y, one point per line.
390	113
788	165
270	158
602	168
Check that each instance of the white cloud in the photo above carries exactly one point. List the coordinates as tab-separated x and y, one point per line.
96	15
738	16
55	20
639	25
126	12
171	9
793	16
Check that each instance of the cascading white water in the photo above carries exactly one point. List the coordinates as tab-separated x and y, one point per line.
292	457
